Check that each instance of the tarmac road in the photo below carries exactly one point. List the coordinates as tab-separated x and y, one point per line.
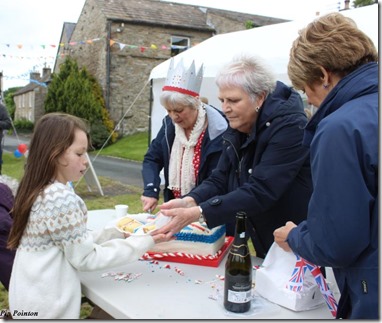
121	170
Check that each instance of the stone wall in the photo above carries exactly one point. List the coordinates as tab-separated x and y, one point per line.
39	98
123	72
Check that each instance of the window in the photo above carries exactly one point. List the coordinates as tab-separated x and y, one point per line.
179	44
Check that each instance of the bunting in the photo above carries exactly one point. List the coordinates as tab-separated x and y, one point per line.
324	288
3	55
51	58
112	42
297	279
24	76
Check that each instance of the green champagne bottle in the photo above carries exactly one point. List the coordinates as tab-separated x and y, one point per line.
238	271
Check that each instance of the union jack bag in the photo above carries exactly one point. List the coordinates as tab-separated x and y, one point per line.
290	281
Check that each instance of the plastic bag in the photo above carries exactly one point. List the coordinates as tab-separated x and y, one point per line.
285	279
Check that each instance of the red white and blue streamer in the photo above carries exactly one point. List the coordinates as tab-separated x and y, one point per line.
297	280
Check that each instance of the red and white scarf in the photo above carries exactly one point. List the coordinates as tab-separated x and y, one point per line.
181	168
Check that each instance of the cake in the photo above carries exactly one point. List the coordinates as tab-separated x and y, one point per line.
128	225
194	239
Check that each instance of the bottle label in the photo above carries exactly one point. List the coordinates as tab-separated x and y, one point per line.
239	288
239	297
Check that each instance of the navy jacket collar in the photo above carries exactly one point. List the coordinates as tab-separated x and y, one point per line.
362	81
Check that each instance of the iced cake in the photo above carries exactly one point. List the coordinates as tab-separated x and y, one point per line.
194	239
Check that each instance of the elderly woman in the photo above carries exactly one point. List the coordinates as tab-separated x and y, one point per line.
189	143
335	63
8	187
263	169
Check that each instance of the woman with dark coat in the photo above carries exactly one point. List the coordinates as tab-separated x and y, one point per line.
263	169
188	145
336	64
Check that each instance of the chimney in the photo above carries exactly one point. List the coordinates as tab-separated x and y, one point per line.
347	4
34	76
46	71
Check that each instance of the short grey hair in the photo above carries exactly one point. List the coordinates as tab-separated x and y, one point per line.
12	183
248	72
171	99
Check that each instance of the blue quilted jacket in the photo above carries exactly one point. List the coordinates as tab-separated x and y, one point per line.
341	230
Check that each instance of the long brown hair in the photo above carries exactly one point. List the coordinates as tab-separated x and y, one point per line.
53	134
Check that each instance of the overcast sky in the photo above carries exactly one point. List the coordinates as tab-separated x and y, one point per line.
31	28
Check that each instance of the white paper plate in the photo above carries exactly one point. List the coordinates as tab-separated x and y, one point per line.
146	218
160	221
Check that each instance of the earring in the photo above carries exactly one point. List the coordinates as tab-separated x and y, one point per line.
257	109
325	86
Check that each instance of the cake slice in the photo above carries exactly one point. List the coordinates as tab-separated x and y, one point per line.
128	225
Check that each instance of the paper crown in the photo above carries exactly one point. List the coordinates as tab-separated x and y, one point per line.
180	80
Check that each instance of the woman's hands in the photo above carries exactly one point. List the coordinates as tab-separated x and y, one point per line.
181	217
281	235
178	203
149	204
182	211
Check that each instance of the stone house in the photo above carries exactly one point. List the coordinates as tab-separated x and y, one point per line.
29	100
121	41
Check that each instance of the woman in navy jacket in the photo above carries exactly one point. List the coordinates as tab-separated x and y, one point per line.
335	63
263	169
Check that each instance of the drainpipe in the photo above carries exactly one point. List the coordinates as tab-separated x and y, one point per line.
1	87
150	110
108	63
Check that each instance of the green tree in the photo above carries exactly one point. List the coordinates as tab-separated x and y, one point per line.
362	3
77	92
8	100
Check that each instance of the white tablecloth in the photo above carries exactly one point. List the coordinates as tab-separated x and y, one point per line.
161	291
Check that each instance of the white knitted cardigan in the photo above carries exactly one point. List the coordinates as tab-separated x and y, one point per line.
55	246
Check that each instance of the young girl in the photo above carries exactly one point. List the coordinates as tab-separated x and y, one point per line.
49	229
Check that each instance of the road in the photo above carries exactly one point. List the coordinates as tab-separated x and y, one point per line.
122	170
